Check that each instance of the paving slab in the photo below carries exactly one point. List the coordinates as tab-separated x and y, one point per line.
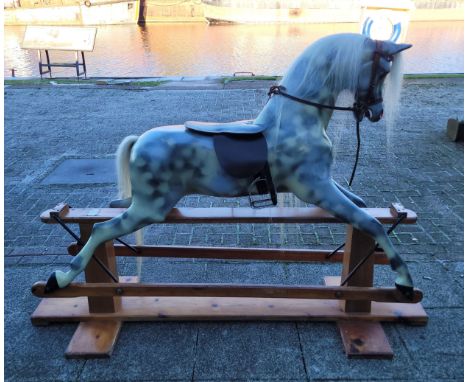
83	171
325	358
250	273
310	273
248	351
33	353
167	270
455	268
435	348
159	351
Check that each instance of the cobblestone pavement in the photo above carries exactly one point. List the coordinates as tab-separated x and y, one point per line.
414	164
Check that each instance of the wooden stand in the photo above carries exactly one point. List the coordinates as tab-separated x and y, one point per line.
100	306
62	38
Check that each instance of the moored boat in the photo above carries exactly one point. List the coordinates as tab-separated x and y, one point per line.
318	11
87	12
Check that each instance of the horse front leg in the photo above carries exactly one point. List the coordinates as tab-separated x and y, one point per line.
353	197
328	196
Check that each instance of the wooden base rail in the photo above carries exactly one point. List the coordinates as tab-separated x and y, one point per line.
101	306
228	290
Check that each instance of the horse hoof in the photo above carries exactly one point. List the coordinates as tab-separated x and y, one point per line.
407	291
52	284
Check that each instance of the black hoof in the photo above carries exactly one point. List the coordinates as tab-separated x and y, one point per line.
407	291
52	284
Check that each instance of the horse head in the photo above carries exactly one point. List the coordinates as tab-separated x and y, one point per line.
378	58
346	62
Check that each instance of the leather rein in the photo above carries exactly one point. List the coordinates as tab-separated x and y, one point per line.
359	108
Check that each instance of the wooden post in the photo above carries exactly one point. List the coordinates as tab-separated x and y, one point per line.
94	273
361	339
96	339
358	245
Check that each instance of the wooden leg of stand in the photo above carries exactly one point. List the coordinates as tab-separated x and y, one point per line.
94	273
358	245
364	339
96	339
360	338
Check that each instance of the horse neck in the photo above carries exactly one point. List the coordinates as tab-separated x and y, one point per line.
281	115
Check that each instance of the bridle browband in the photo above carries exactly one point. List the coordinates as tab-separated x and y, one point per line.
359	108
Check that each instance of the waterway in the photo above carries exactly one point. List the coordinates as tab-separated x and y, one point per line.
198	49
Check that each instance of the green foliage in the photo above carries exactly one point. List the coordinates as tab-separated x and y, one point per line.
227	80
65	81
435	75
143	83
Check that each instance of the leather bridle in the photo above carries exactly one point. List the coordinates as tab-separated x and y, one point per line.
370	99
360	107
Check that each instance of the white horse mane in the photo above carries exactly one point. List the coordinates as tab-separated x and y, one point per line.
333	62
392	91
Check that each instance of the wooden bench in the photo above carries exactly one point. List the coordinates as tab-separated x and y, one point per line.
101	305
45	38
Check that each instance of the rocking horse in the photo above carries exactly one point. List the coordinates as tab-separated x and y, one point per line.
289	137
285	149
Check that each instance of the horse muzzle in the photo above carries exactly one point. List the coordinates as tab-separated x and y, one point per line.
374	113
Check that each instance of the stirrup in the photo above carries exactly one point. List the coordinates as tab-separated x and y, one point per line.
264	186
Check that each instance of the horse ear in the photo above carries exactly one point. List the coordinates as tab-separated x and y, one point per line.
401	48
391	48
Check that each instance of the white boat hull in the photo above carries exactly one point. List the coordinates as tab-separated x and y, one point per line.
95	13
280	15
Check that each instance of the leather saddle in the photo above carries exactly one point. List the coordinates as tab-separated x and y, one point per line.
242	152
238	127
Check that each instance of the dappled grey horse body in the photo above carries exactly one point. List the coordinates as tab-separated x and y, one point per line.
166	163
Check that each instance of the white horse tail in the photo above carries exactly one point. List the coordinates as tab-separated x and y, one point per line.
123	166
124	184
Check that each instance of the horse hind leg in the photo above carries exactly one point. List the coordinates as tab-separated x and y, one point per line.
123	224
326	195
136	217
